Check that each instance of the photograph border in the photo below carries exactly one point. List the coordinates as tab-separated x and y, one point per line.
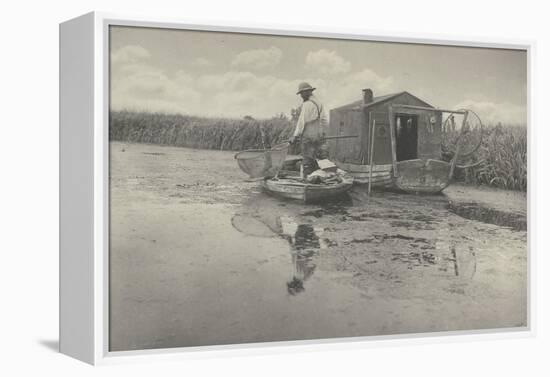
102	355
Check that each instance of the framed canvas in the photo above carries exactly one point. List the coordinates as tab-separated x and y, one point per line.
229	189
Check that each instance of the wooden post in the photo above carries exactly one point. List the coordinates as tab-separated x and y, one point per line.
371	153
365	143
393	142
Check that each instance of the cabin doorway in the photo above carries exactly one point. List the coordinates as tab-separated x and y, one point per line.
406	137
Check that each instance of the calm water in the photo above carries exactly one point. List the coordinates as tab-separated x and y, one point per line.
199	257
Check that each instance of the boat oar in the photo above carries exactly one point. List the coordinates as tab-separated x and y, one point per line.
340	137
332	137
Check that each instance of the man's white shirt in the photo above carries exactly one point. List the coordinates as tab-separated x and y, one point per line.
312	109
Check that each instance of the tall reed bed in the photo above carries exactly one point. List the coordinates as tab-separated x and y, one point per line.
504	155
198	132
504	148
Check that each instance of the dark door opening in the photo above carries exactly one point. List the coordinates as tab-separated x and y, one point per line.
406	137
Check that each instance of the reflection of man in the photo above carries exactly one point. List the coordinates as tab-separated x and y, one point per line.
311	128
306	243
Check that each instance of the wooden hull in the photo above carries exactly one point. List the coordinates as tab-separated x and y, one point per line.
306	192
381	174
422	176
413	176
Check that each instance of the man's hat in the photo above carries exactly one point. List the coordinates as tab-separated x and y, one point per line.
303	87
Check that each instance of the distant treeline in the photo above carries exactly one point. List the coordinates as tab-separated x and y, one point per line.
197	132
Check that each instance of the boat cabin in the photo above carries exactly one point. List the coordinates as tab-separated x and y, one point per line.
416	132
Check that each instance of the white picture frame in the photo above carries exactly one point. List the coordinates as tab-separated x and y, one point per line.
84	194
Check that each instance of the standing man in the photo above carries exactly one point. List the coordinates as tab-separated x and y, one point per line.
311	129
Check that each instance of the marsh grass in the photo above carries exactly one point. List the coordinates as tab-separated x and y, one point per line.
198	132
504	148
504	155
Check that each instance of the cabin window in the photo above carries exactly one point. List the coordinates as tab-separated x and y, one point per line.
406	137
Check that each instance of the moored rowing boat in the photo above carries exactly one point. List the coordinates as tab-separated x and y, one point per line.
423	176
294	188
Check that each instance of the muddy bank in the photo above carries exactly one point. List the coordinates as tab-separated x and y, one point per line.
489	205
198	256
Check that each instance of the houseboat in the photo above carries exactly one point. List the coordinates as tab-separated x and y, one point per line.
398	144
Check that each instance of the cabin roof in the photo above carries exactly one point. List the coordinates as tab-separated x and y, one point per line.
377	100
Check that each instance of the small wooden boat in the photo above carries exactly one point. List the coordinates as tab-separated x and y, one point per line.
294	188
429	175
423	176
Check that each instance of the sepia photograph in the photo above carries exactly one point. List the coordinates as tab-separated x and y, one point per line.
270	188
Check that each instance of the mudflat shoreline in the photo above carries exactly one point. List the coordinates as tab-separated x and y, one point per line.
489	205
199	256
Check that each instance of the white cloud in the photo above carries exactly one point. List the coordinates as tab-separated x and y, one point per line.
232	81
492	113
202	62
130	54
236	94
259	59
229	94
326	62
139	85
369	79
349	88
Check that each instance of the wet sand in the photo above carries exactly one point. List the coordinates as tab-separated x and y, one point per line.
200	257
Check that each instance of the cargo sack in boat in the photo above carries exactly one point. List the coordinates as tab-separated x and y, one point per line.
321	176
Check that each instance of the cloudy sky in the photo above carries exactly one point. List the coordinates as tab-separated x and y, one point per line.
233	75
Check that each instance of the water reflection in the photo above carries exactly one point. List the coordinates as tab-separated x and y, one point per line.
304	242
464	262
304	239
394	239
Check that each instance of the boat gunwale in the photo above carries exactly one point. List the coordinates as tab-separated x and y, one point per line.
305	185
306	192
